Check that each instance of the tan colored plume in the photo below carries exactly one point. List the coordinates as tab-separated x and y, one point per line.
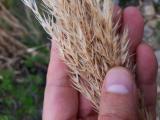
87	39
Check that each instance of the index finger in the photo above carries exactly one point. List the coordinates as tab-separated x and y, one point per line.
61	100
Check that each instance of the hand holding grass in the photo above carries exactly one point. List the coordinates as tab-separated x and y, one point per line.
119	97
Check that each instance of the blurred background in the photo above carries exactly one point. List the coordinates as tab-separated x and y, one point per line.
24	56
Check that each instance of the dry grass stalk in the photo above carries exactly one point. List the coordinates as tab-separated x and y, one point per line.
17	28
10	47
87	39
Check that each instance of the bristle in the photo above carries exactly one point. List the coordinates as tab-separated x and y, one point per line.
88	41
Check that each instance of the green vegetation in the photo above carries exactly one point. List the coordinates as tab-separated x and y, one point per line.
22	83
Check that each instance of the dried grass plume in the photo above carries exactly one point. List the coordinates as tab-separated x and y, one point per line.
88	41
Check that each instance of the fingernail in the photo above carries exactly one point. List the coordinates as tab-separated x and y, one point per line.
119	80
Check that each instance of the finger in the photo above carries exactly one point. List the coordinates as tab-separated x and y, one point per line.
146	75
61	100
119	99
133	21
86	109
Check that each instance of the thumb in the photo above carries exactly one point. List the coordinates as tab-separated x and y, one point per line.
119	99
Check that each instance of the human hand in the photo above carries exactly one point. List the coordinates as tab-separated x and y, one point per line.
119	98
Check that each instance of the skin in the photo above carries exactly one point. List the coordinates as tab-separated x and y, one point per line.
62	102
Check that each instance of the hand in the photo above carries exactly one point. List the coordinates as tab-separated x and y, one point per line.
119	98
